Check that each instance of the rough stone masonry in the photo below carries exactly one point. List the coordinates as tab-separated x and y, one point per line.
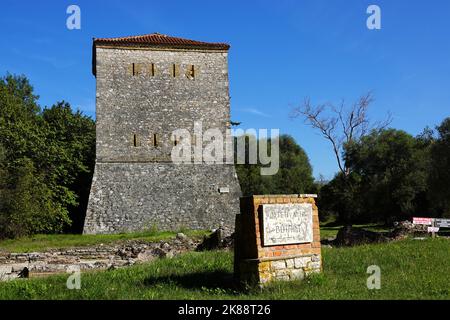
147	87
96	257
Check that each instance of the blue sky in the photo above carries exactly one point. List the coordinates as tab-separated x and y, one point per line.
281	52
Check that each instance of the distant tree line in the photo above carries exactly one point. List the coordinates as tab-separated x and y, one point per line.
294	174
385	174
393	176
46	163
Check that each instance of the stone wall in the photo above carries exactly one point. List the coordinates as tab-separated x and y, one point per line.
126	196
146	105
256	263
135	184
96	257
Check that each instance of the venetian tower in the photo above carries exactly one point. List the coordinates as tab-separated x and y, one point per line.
147	87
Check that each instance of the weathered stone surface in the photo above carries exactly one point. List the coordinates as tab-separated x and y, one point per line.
112	256
6	269
216	240
301	262
137	187
350	236
282	272
406	228
287	223
289	263
165	246
160	253
172	196
297	274
17	267
181	236
277	265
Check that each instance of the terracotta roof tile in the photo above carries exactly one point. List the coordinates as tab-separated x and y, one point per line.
160	40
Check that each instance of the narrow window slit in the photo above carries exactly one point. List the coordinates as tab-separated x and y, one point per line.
152	69
175	70
191	71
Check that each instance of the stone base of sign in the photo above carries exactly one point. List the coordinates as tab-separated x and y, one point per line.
255	263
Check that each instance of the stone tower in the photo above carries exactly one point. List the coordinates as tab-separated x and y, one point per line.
147	87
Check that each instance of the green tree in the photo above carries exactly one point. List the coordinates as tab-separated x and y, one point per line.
70	157
294	174
47	162
340	198
26	205
393	169
439	179
19	121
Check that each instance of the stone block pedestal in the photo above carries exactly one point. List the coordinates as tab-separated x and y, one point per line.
277	238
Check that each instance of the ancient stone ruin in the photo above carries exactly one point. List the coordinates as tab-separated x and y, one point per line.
96	257
147	87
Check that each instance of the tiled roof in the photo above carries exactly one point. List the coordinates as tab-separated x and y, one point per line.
160	40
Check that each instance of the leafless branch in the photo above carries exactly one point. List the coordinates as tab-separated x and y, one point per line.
338	125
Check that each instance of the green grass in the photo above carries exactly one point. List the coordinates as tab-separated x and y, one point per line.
48	241
410	269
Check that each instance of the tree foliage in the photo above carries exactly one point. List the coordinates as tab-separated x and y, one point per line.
392	166
46	164
439	179
294	174
389	174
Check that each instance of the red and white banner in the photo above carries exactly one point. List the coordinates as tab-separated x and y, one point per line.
425	221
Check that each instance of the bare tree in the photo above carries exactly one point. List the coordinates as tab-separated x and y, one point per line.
340	124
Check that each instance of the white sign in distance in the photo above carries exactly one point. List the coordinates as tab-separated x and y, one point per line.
433	229
287	224
443	223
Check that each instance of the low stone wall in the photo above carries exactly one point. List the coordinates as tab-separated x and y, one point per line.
99	257
295	268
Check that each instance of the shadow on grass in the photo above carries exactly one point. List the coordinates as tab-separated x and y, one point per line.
221	281
331	224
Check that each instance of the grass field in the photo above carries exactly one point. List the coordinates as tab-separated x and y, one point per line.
410	269
49	241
